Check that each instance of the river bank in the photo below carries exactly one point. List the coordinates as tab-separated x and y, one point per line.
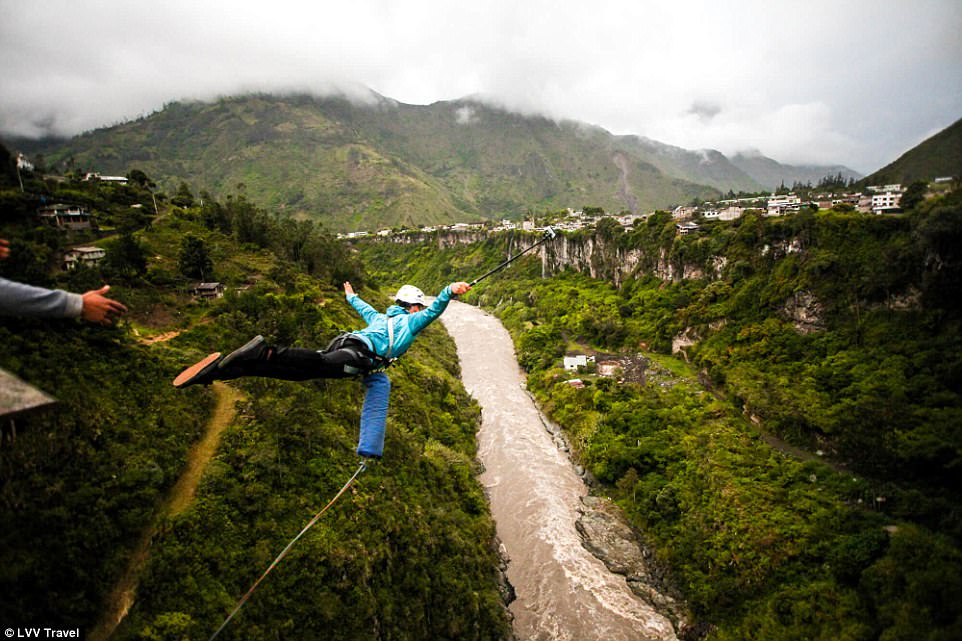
563	588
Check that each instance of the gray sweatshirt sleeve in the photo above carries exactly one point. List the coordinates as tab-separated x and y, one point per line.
18	299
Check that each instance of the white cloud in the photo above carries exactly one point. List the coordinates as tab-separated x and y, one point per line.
466	115
855	83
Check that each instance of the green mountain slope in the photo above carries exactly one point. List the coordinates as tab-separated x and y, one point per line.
940	155
377	163
381	163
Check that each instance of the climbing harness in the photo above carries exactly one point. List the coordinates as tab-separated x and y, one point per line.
546	236
362	467
351	342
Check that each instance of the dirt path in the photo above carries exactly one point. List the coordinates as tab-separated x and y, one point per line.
122	597
160	338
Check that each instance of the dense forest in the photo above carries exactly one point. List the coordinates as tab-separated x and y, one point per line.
409	553
794	462
799	472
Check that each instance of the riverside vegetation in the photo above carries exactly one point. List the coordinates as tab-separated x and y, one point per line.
407	555
761	545
863	544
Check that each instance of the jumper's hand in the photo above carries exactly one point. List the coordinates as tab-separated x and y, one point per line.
4	248
348	290
459	288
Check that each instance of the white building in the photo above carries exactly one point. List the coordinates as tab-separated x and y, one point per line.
784	204
731	213
572	363
107	179
884	188
886	202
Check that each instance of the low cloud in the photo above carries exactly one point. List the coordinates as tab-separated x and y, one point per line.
691	74
466	115
704	111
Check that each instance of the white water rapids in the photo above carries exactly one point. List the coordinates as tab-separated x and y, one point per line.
563	592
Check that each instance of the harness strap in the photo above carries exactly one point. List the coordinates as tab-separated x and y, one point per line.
390	339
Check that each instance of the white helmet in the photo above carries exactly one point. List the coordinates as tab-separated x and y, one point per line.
410	294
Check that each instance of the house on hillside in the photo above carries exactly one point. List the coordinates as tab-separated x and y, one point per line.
887	202
686	228
63	216
208	291
82	256
107	179
779	205
731	213
572	363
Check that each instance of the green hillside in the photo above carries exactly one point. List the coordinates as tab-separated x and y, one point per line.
802	482
408	553
937	157
379	163
365	166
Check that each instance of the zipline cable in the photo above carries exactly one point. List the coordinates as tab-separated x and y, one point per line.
310	524
548	234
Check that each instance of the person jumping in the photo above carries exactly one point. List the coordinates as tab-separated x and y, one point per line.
364	353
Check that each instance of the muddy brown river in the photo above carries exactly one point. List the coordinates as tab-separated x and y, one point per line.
563	592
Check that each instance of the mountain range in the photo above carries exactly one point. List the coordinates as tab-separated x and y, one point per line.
365	164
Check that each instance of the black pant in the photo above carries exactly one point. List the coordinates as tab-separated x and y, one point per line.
345	356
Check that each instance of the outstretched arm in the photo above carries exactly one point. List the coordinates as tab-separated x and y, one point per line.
423	318
367	312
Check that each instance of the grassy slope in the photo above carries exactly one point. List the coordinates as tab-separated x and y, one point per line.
764	545
414	535
380	165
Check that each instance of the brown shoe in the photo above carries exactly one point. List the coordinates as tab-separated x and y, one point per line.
200	373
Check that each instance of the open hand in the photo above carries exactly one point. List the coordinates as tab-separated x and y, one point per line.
348	290
100	309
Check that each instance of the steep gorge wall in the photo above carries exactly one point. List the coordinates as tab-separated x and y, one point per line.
617	258
593	254
607	259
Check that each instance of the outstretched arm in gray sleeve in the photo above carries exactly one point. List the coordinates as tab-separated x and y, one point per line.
19	299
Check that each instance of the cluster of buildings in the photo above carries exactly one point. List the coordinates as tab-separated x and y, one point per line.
884	199
69	217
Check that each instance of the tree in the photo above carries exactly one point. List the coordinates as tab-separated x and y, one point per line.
183	197
914	194
194	261
8	167
126	257
138	177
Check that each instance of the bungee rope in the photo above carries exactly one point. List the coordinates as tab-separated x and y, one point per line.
310	524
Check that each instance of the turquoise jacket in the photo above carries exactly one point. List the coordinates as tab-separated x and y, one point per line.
407	325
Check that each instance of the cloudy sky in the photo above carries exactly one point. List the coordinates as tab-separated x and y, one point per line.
853	82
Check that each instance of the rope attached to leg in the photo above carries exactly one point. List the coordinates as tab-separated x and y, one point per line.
310	524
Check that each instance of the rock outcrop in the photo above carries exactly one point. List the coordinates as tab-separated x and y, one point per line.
607	534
